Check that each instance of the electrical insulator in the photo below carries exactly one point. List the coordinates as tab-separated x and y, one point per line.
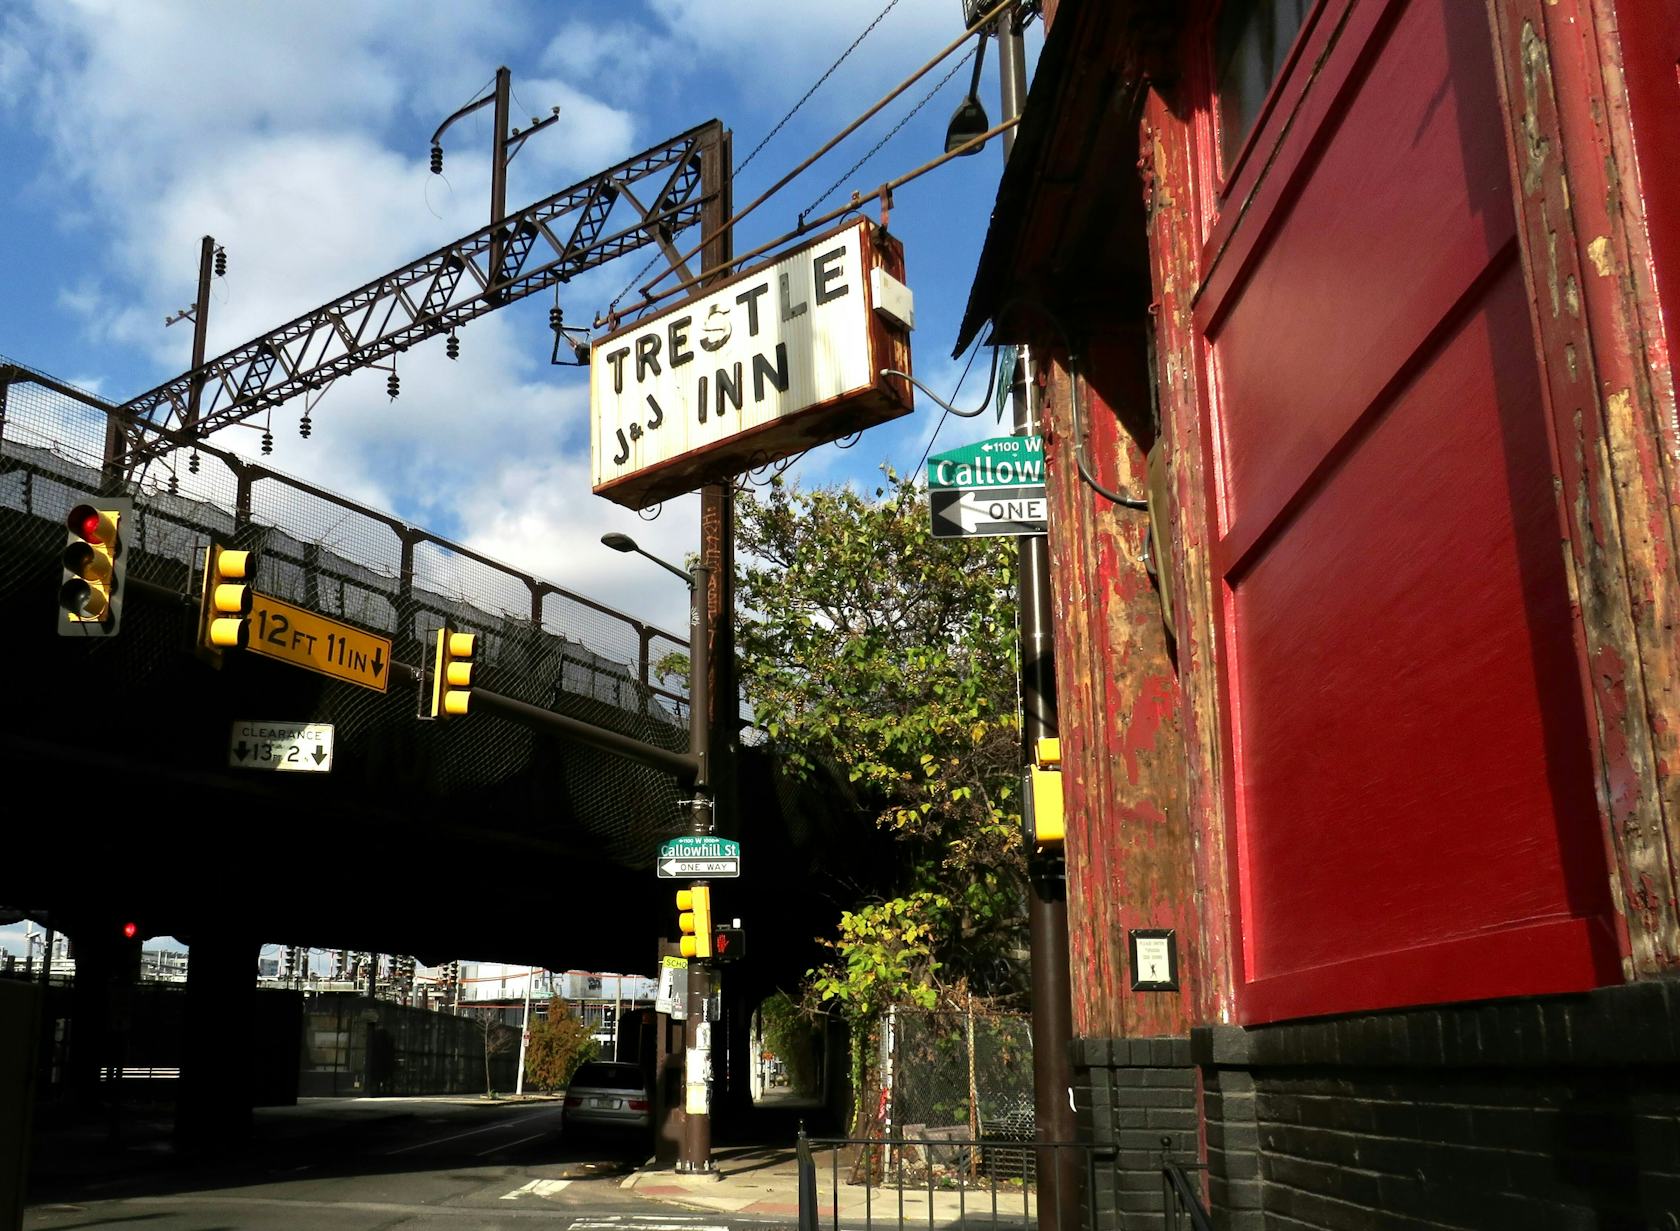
393	386
268	442
437	160
174	484
452	347
221	262
192	462
556	318
305	427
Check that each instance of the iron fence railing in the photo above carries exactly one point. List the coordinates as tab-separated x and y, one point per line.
953	1180
934	1181
539	643
323	550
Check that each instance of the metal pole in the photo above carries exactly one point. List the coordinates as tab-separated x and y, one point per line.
695	1155
524	1037
201	327
498	169
1052	1012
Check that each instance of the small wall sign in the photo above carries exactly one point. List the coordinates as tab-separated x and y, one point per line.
1154	953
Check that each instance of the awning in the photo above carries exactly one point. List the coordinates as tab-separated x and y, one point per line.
1068	222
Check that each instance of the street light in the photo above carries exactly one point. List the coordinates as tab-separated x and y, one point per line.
695	1155
623	542
969	120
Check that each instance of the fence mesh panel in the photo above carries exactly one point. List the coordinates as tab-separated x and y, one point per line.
537	642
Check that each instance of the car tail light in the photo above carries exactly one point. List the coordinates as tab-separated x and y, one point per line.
638	1104
573	1100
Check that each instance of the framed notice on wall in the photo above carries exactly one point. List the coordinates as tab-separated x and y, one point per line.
1154	957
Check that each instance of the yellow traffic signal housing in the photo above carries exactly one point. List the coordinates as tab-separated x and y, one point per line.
695	921
452	670
95	562
224	605
1045	814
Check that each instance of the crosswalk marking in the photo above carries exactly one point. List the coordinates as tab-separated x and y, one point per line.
537	1188
644	1223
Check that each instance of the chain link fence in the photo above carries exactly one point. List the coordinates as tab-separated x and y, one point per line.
356	1046
962	1078
537	642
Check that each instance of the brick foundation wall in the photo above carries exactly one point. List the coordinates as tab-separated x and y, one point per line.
1556	1112
1134	1100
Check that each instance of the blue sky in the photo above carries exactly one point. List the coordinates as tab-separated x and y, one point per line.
297	133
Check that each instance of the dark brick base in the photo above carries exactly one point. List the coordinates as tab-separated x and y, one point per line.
1558	1112
1134	1100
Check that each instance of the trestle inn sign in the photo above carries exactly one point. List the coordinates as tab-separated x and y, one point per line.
774	361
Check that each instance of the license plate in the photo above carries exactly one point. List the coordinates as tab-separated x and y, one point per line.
603	1102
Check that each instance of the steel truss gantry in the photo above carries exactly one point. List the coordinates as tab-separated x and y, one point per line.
534	248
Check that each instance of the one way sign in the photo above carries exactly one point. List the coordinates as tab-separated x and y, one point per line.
976	512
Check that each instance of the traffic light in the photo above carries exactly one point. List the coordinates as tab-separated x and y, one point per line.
130	942
695	921
1043	818
95	560
224	615
452	673
729	944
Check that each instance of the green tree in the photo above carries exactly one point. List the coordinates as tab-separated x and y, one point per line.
873	649
559	1044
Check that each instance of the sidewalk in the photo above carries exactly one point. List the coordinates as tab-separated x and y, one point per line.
764	1181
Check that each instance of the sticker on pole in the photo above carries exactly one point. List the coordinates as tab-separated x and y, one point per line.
298	747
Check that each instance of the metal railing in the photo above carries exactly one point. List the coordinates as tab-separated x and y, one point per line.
933	1181
945	1181
1180	1202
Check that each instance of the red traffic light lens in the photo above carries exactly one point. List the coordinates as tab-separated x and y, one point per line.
85	522
130	930
720	943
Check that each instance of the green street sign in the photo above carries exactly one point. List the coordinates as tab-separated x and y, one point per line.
683	858
1002	461
991	487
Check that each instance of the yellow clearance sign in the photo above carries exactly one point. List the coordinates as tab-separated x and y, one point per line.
305	639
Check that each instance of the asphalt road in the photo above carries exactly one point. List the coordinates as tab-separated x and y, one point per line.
357	1165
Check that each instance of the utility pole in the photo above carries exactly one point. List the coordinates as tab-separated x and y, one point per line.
717	551
524	1036
695	1154
1052	1011
201	327
504	144
210	260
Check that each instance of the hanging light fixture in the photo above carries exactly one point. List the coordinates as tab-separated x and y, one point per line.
969	120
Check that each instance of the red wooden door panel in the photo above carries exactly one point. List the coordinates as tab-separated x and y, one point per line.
1412	793
1650	31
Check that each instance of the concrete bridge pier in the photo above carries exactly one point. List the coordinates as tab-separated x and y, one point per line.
218	1037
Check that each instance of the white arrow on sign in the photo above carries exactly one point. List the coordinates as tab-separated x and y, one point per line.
673	868
979	507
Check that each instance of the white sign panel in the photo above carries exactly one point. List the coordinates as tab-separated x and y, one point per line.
301	747
714	385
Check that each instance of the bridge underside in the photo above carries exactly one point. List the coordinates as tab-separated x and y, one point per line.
473	838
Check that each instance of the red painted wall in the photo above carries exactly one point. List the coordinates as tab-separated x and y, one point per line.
1409	799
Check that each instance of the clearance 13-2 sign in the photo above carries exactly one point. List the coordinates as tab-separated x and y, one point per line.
775	360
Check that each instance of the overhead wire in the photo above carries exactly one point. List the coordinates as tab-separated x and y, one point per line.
948	408
780	124
792	111
875	109
879	145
